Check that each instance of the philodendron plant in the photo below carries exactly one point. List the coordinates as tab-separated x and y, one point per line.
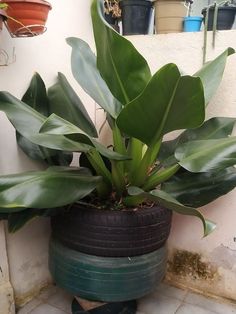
183	174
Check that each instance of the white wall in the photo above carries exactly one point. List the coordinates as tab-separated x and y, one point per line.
47	54
217	252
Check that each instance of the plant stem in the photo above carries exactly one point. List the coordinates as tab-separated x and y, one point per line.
205	36
146	162
158	177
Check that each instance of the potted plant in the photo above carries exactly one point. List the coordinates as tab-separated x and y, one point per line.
3	15
27	17
136	16
191	23
112	13
223	13
169	15
113	214
217	16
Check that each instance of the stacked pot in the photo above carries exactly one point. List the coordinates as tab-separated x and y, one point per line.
109	255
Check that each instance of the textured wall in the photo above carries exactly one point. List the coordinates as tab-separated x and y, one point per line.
213	268
47	54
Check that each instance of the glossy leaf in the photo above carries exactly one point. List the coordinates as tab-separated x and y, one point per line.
36	97
28	122
37	152
84	69
212	72
213	128
207	155
66	103
45	189
199	189
168	201
123	68
17	220
164	107
58	126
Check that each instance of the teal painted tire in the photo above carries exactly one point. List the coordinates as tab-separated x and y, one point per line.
106	278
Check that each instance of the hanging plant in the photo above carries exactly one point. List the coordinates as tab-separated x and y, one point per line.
112	13
26	18
111	7
3	15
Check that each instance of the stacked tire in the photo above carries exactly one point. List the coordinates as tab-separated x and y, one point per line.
109	255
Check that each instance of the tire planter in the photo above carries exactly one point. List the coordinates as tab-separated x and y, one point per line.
225	18
113	233
106	279
28	17
136	15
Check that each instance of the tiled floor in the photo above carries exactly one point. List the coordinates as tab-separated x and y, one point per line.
165	300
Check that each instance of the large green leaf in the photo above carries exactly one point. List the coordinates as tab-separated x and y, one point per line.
168	201
169	102
207	155
38	152
84	69
123	68
48	189
17	220
213	128
212	72
28	122
199	189
36	97
56	125
66	103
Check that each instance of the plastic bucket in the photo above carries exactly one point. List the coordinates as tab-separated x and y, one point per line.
192	23
169	16
136	16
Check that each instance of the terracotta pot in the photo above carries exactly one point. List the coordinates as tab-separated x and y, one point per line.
3	17
27	17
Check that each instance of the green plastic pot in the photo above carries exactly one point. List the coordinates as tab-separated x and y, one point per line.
106	279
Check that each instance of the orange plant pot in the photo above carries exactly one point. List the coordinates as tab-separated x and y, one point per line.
27	17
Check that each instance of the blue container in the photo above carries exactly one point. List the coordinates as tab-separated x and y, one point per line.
192	23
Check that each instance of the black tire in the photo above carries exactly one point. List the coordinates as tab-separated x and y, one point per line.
113	233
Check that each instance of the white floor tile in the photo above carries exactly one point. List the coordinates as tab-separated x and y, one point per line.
48	292
47	309
61	300
192	309
165	300
158	305
29	307
210	304
170	291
